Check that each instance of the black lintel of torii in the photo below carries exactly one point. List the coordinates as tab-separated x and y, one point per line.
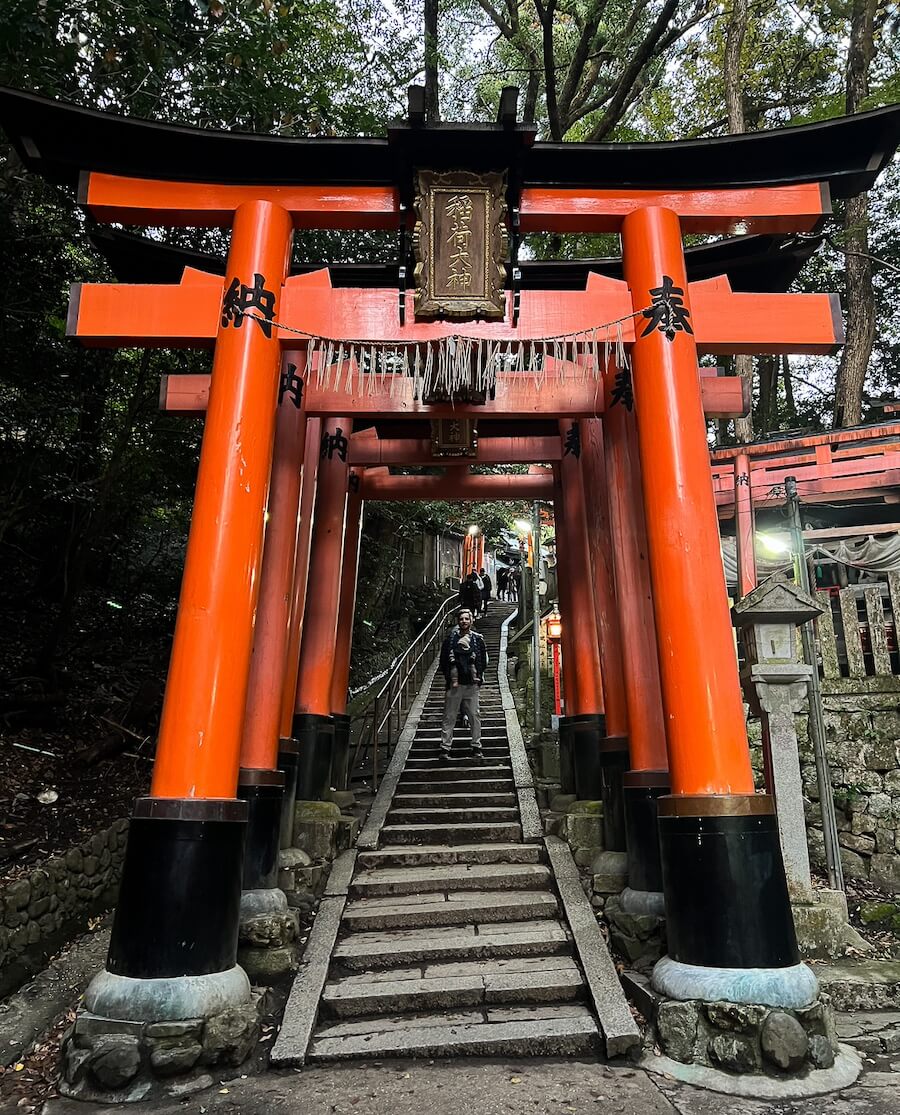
751	263
59	140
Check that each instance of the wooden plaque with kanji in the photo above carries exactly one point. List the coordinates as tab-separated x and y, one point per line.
461	244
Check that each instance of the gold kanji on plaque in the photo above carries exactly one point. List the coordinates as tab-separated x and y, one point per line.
460	242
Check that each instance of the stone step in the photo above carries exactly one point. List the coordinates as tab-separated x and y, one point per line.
546	979
478	785
437	854
550	1031
366	952
426	770
450	877
492	748
449	801
449	834
462	908
486	814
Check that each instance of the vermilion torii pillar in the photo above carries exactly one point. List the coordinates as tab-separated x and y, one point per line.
719	840
584	725
648	777
288	747
613	746
313	722
179	902
340	678
261	784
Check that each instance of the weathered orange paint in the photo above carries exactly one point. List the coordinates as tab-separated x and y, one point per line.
707	739
262	717
456	484
564	586
601	545
418	451
150	201
795	208
744	527
142	201
340	679
634	597
199	744
479	554
301	568
585	661
317	644
723	397
186	314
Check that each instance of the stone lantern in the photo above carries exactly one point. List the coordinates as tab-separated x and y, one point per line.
775	683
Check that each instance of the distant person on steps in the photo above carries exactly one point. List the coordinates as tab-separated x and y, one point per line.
463	662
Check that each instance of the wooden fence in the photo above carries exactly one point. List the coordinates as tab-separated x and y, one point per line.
857	633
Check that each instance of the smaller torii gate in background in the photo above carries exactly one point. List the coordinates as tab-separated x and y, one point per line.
605	372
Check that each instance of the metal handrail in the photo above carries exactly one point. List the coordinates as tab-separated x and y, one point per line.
380	719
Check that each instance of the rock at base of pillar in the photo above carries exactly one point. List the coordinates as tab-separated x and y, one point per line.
641	791
263	791
727	904
288	760
643	903
823	926
340	767
267	935
314	734
111	1060
747	1037
636	934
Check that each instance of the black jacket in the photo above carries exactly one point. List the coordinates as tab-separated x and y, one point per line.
469	667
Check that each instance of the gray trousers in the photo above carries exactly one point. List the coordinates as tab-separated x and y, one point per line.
467	696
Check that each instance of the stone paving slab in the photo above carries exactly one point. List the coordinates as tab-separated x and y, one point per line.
432	772
543	1037
465	833
371	913
485	814
448	990
453	800
434	854
362	951
430	879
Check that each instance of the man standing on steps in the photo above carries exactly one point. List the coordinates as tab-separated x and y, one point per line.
463	662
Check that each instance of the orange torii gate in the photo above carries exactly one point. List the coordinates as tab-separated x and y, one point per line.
626	350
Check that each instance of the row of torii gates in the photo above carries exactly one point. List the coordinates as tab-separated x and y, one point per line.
257	685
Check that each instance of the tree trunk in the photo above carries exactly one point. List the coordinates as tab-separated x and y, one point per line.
789	402
734	103
432	105
859	299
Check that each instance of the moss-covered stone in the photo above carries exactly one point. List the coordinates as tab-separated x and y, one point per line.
880	913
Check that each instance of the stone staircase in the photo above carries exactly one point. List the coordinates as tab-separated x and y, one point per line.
451	937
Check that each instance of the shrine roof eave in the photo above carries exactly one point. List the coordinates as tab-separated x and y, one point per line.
751	263
60	140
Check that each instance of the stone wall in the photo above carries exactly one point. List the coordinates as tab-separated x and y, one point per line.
862	723
42	908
